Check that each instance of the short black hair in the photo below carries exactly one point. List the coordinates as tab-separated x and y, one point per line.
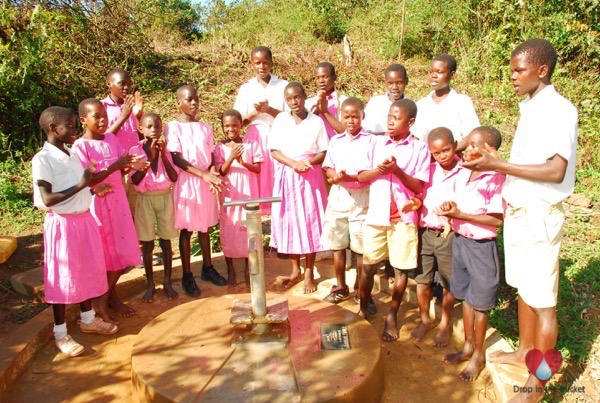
117	71
150	115
490	135
294	84
397	68
262	49
54	114
446	58
183	88
327	65
406	105
440	133
231	112
538	51
83	105
354	102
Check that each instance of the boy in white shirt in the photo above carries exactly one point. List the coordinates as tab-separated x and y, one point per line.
444	107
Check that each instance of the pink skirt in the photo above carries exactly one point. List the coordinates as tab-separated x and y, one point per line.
259	134
296	222
196	207
74	269
240	184
117	230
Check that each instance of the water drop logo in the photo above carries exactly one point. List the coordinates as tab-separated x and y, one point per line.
543	366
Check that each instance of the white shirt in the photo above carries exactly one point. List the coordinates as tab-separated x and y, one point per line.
62	171
376	114
252	92
309	137
456	112
548	126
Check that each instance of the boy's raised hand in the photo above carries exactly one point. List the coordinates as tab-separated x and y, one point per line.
138	103
321	106
103	189
262	106
128	104
486	159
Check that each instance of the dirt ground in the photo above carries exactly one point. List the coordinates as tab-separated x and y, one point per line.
414	371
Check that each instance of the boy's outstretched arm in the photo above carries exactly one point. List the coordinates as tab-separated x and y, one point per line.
552	170
450	210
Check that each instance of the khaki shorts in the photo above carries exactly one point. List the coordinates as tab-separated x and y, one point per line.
155	215
131	193
344	219
398	242
532	239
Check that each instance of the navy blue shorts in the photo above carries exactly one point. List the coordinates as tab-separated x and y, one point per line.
475	272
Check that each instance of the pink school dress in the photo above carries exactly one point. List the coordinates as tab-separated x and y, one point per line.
196	207
74	269
112	210
240	184
296	222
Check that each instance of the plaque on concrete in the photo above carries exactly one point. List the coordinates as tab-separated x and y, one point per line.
334	337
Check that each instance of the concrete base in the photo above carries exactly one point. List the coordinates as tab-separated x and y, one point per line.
186	354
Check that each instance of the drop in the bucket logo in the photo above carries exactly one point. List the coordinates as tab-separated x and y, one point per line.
543	366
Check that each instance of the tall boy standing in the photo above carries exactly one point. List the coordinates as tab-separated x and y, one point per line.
540	174
398	168
443	106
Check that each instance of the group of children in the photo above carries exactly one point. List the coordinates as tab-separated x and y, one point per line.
419	184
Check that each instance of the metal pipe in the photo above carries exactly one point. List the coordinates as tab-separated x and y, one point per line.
256	262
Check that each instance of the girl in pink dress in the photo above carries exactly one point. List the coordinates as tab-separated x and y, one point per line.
73	257
239	162
111	212
191	144
298	142
259	101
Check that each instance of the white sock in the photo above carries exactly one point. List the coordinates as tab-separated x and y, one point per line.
87	317
60	331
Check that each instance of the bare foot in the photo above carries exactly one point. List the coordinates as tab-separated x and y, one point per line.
101	310
362	314
121	308
289	282
418	333
473	369
231	280
442	337
458	357
508	357
170	291
390	331
149	294
309	286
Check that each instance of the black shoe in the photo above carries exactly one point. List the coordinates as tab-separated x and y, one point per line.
337	295
189	285
210	274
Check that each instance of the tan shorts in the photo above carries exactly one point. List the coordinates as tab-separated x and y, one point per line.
131	193
155	215
532	238
398	242
344	219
